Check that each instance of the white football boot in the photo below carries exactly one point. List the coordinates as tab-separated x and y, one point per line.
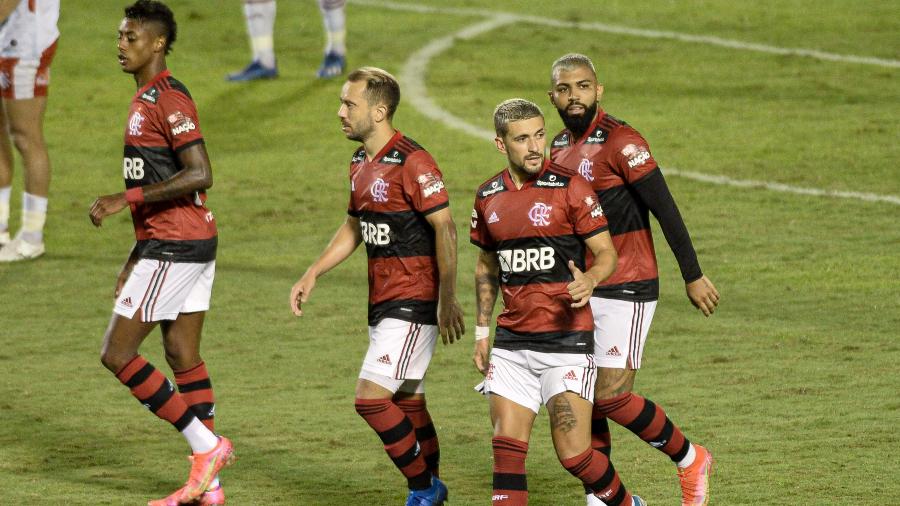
20	249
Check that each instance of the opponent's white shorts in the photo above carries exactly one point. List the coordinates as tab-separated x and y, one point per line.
620	331
398	350
531	378
21	79
162	290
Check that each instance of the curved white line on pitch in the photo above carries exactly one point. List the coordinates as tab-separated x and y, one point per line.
638	32
412	76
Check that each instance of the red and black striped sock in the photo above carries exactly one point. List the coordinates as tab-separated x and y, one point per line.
417	413
510	482
196	390
398	435
156	392
648	421
598	474
600	438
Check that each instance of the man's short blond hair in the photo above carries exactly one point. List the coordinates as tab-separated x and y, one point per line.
514	109
381	87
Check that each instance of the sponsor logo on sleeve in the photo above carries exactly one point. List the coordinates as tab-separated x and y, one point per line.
550	181
496	186
474	218
180	123
636	155
431	184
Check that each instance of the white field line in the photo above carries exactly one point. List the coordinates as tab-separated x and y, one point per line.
412	75
638	32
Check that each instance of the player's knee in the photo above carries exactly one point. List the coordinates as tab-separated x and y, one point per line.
113	360
26	141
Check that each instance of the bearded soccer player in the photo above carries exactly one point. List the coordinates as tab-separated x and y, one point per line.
400	209
614	158
534	223
167	279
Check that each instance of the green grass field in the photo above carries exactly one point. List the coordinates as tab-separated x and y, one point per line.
793	384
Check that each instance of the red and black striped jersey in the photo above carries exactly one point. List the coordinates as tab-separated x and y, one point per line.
534	231
162	121
612	157
391	194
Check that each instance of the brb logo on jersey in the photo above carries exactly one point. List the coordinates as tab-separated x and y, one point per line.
540	214
586	169
378	234
134	124
379	190
527	259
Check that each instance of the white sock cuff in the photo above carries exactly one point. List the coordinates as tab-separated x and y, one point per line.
688	458
34	203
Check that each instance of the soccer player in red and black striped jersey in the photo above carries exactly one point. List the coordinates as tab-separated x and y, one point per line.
167	279
615	159
399	208
534	223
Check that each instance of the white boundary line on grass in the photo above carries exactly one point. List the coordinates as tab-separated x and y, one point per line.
413	77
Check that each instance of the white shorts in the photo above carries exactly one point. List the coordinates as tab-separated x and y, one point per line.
21	79
399	349
620	331
531	378
162	290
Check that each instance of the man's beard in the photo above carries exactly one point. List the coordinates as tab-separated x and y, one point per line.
578	125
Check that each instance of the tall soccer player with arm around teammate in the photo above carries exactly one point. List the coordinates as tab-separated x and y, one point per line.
614	158
534	224
167	279
399	208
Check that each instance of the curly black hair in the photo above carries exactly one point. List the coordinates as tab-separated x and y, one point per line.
157	12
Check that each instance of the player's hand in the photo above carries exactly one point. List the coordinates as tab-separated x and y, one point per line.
581	288
481	357
105	206
703	295
300	292
450	320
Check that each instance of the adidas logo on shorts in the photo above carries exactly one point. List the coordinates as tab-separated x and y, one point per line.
571	376
127	302
613	352
385	359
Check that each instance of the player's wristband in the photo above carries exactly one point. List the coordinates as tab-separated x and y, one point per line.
135	195
482	333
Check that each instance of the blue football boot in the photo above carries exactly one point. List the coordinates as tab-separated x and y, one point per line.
435	495
254	71
332	66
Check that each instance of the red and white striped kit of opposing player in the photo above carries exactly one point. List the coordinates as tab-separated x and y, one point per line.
27	45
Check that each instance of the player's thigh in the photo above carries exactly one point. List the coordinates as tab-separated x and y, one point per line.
570	423
121	341
181	340
158	290
565	372
399	349
620	331
514	393
25	117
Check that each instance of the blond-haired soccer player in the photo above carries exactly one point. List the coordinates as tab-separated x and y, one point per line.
400	209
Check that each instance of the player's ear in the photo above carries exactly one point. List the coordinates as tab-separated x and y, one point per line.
380	113
501	145
599	91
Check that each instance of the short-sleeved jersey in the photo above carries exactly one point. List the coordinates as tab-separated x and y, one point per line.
30	29
612	156
534	231
162	121
392	194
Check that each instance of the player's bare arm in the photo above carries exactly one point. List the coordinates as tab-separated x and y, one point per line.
6	8
654	192
450	315
195	176
605	259
342	245
487	285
